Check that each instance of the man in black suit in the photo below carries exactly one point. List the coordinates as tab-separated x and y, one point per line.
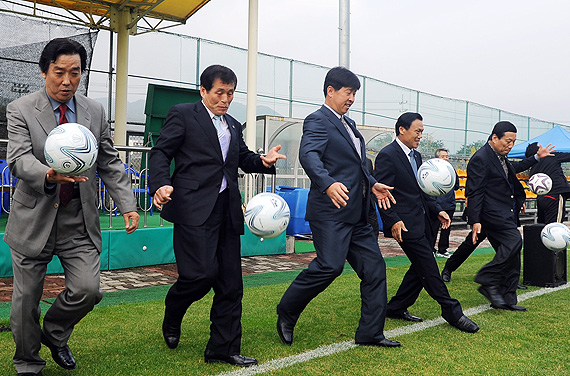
409	221
495	197
203	201
332	153
467	247
551	205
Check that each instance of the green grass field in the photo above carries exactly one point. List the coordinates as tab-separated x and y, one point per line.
122	335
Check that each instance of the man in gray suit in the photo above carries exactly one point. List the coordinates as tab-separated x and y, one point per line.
54	214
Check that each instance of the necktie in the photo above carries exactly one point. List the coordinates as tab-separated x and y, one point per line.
65	190
503	161
413	163
355	140
224	144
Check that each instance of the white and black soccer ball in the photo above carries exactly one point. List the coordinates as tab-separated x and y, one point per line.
436	177
71	149
555	236
267	215
540	183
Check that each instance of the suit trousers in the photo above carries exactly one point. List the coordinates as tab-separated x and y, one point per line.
465	249
504	270
423	273
208	256
80	261
334	243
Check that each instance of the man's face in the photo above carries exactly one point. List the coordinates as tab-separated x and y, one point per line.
411	137
62	77
503	145
443	155
219	97
340	100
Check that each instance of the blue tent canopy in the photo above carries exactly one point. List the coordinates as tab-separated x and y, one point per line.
557	136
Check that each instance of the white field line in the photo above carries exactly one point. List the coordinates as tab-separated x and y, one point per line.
321	351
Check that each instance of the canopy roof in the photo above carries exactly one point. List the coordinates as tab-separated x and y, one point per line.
557	136
96	13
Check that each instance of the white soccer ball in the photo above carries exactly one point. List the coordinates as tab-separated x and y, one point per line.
71	149
540	183
436	177
555	236
267	215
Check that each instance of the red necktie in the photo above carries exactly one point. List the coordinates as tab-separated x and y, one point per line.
65	190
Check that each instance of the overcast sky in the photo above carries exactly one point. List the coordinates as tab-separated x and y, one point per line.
509	54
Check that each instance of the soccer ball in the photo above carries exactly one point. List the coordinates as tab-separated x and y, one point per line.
267	215
71	149
555	236
540	183
436	177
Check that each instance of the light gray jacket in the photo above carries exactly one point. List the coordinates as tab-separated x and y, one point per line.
34	209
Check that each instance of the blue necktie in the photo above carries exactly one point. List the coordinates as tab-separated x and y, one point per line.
224	144
413	163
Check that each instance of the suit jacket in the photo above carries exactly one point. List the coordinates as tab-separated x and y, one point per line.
34	209
551	167
189	137
414	207
494	199
328	155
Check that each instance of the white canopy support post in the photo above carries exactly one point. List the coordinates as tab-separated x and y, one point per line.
251	114
120	21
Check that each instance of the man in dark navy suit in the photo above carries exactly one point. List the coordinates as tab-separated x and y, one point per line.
333	155
495	197
409	221
202	199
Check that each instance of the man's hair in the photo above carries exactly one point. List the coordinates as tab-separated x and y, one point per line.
61	46
339	77
531	149
439	151
406	119
502	127
213	72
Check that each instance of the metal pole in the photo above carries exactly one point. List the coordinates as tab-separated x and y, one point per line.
110	102
344	33
250	131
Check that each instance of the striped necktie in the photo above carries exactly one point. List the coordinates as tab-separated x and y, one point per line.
66	189
224	141
413	163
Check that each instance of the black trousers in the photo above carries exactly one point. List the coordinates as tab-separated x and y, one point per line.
207	257
505	268
551	207
443	242
334	243
423	273
465	249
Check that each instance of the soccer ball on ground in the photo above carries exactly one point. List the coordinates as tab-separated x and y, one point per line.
436	177
540	183
267	215
71	149
555	236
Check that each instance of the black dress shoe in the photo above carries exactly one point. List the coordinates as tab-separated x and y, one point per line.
61	355
171	333
492	294
404	315
446	275
234	360
466	325
382	343
285	331
522	287
511	307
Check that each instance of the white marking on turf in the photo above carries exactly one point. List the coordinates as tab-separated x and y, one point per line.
321	351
